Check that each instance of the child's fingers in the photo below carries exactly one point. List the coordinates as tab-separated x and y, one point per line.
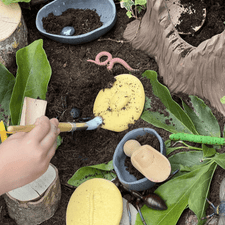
17	135
41	129
56	123
51	151
48	141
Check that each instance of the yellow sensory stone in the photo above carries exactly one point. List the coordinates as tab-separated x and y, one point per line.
122	104
95	202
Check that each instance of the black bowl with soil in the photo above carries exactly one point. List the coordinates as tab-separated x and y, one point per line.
119	157
106	11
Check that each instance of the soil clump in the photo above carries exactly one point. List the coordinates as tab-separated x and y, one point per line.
82	20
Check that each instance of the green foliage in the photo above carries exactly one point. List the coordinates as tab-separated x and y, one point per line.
222	100
31	80
96	171
33	75
7	2
202	117
7	81
174	120
129	4
187	189
190	187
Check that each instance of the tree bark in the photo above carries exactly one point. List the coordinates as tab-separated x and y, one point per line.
13	33
192	70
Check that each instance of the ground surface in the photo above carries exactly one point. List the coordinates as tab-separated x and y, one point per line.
76	82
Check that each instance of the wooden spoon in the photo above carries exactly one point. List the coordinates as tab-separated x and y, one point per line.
148	161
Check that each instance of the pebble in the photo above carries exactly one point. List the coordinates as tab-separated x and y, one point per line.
67	31
75	113
193	220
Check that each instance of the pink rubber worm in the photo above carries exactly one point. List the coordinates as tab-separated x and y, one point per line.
110	61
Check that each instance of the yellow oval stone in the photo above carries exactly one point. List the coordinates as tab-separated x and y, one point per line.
122	104
95	202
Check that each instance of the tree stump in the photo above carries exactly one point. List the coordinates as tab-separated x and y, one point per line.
37	201
38	210
192	70
13	33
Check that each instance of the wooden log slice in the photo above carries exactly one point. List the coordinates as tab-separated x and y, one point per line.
13	32
38	210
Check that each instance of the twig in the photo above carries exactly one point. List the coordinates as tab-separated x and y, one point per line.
62	114
122	41
109	39
69	186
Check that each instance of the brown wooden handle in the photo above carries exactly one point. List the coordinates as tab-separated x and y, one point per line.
64	127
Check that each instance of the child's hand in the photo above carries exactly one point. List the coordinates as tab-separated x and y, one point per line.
25	156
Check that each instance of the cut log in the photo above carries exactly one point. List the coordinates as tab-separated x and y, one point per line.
192	70
37	201
35	211
13	33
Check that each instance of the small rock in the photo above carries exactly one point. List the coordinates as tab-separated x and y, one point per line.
192	220
67	31
75	113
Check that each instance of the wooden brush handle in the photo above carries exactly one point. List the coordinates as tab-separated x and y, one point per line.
64	127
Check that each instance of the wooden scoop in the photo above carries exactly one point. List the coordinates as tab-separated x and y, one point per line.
148	161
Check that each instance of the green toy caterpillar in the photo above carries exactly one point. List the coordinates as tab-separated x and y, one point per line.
198	139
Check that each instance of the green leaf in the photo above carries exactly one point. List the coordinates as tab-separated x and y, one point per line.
187	159
96	171
220	159
59	140
207	151
199	193
202	117
174	119
7	81
33	75
222	100
104	166
139	8
177	194
127	4
171	149
7	2
129	14
140	2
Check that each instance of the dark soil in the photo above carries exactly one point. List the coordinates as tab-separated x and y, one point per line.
76	82
83	21
214	23
194	12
